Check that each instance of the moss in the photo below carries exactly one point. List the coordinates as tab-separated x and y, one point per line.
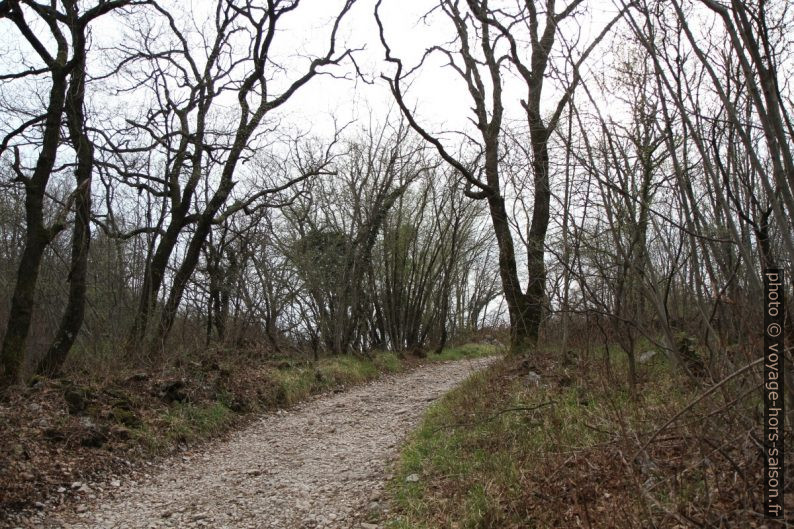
387	362
126	417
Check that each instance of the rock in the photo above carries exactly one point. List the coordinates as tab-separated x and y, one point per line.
492	340
569	359
126	417
40	506
565	380
54	434
93	439
115	483
36	381
26	476
76	485
239	405
173	391
76	399
532	379
412	478
81	508
647	356
61	490
119	432
368	526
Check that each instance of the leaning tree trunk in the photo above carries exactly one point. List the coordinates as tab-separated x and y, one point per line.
193	252
153	281
37	235
181	279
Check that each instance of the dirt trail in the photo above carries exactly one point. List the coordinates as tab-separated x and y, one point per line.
321	464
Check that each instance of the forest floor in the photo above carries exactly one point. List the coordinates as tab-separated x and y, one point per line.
321	463
557	441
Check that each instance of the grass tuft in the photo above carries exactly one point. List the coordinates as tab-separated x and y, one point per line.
462	352
501	451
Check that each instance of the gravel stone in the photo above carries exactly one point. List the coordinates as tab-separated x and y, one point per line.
319	465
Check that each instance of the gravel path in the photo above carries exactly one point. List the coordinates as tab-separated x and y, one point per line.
322	464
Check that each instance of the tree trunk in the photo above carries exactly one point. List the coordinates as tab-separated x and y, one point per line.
37	236
523	334
153	281
181	278
72	319
536	240
22	304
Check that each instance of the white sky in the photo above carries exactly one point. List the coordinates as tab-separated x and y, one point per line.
441	100
437	92
439	96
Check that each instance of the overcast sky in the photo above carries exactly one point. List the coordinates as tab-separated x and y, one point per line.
438	95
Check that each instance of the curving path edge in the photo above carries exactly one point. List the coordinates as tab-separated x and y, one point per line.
321	464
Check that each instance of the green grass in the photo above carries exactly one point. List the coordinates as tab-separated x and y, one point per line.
485	453
295	383
186	422
283	384
448	456
387	362
183	423
461	352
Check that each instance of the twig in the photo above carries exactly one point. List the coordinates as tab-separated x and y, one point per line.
705	394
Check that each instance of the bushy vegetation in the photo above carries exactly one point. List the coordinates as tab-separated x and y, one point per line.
552	444
176	250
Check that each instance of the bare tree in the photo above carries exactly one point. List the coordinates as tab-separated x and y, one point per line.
479	58
195	141
65	67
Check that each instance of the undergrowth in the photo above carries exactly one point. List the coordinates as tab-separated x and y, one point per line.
95	423
279	386
556	443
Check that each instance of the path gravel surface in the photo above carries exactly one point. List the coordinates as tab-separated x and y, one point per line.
321	464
